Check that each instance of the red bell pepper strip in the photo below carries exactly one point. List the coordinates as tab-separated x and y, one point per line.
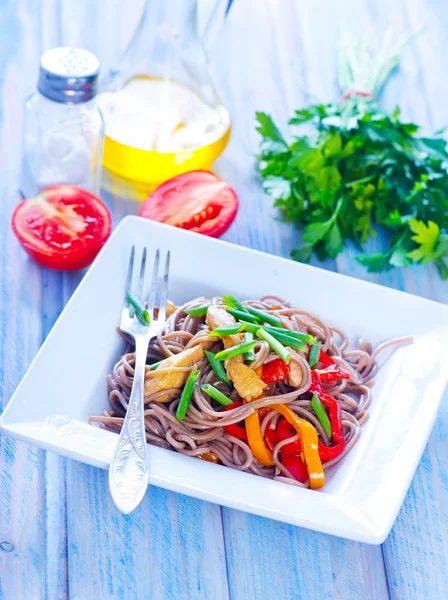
284	432
270	435
325	360
326	453
270	438
235	429
337	436
330	370
333	374
295	466
275	371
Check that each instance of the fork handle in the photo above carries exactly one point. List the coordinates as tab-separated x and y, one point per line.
129	469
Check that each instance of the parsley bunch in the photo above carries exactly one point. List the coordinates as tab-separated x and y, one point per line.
358	167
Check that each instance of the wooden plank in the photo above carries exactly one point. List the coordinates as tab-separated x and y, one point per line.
54	501
171	547
35	522
23	538
416	551
267	559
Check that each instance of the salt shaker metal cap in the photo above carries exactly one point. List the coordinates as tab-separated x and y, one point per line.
68	75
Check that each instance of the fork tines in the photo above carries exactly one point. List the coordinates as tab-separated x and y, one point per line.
157	294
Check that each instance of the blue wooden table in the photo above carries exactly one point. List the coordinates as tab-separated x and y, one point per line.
60	535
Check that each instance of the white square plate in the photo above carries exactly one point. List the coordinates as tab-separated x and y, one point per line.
362	495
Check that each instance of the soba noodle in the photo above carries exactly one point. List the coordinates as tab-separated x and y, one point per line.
201	432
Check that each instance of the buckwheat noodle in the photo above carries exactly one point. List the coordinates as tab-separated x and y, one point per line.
201	432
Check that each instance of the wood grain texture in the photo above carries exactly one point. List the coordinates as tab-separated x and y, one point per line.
60	535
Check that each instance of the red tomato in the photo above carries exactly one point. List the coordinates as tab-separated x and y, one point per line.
62	228
296	467
198	201
284	432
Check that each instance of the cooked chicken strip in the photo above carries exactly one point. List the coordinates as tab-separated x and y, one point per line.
246	381
295	375
186	358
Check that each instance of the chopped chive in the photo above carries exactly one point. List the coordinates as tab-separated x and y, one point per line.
282	335
227	330
233	303
275	345
197	311
243	316
235	350
140	311
306	338
249	337
155	365
318	408
287	339
218	368
251	327
214	393
185	399
265	317
313	358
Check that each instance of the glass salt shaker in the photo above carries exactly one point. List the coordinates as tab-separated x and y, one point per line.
63	126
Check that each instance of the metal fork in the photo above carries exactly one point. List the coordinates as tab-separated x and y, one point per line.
129	469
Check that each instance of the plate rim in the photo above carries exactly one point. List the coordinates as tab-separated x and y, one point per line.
373	533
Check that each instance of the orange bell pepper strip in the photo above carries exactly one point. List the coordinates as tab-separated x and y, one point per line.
254	437
255	440
309	445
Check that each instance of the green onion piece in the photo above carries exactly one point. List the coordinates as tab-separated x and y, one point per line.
185	399
249	337
243	316
275	345
314	354
218	368
235	350
140	311
282	335
306	338
227	330
155	365
287	339
233	303
265	317
216	394
251	327
197	311
318	408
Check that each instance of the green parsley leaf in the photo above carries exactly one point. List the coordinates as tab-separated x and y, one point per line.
400	257
386	177
427	237
376	263
333	241
303	253
316	231
267	128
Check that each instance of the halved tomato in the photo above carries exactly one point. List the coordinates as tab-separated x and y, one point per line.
63	227
198	201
